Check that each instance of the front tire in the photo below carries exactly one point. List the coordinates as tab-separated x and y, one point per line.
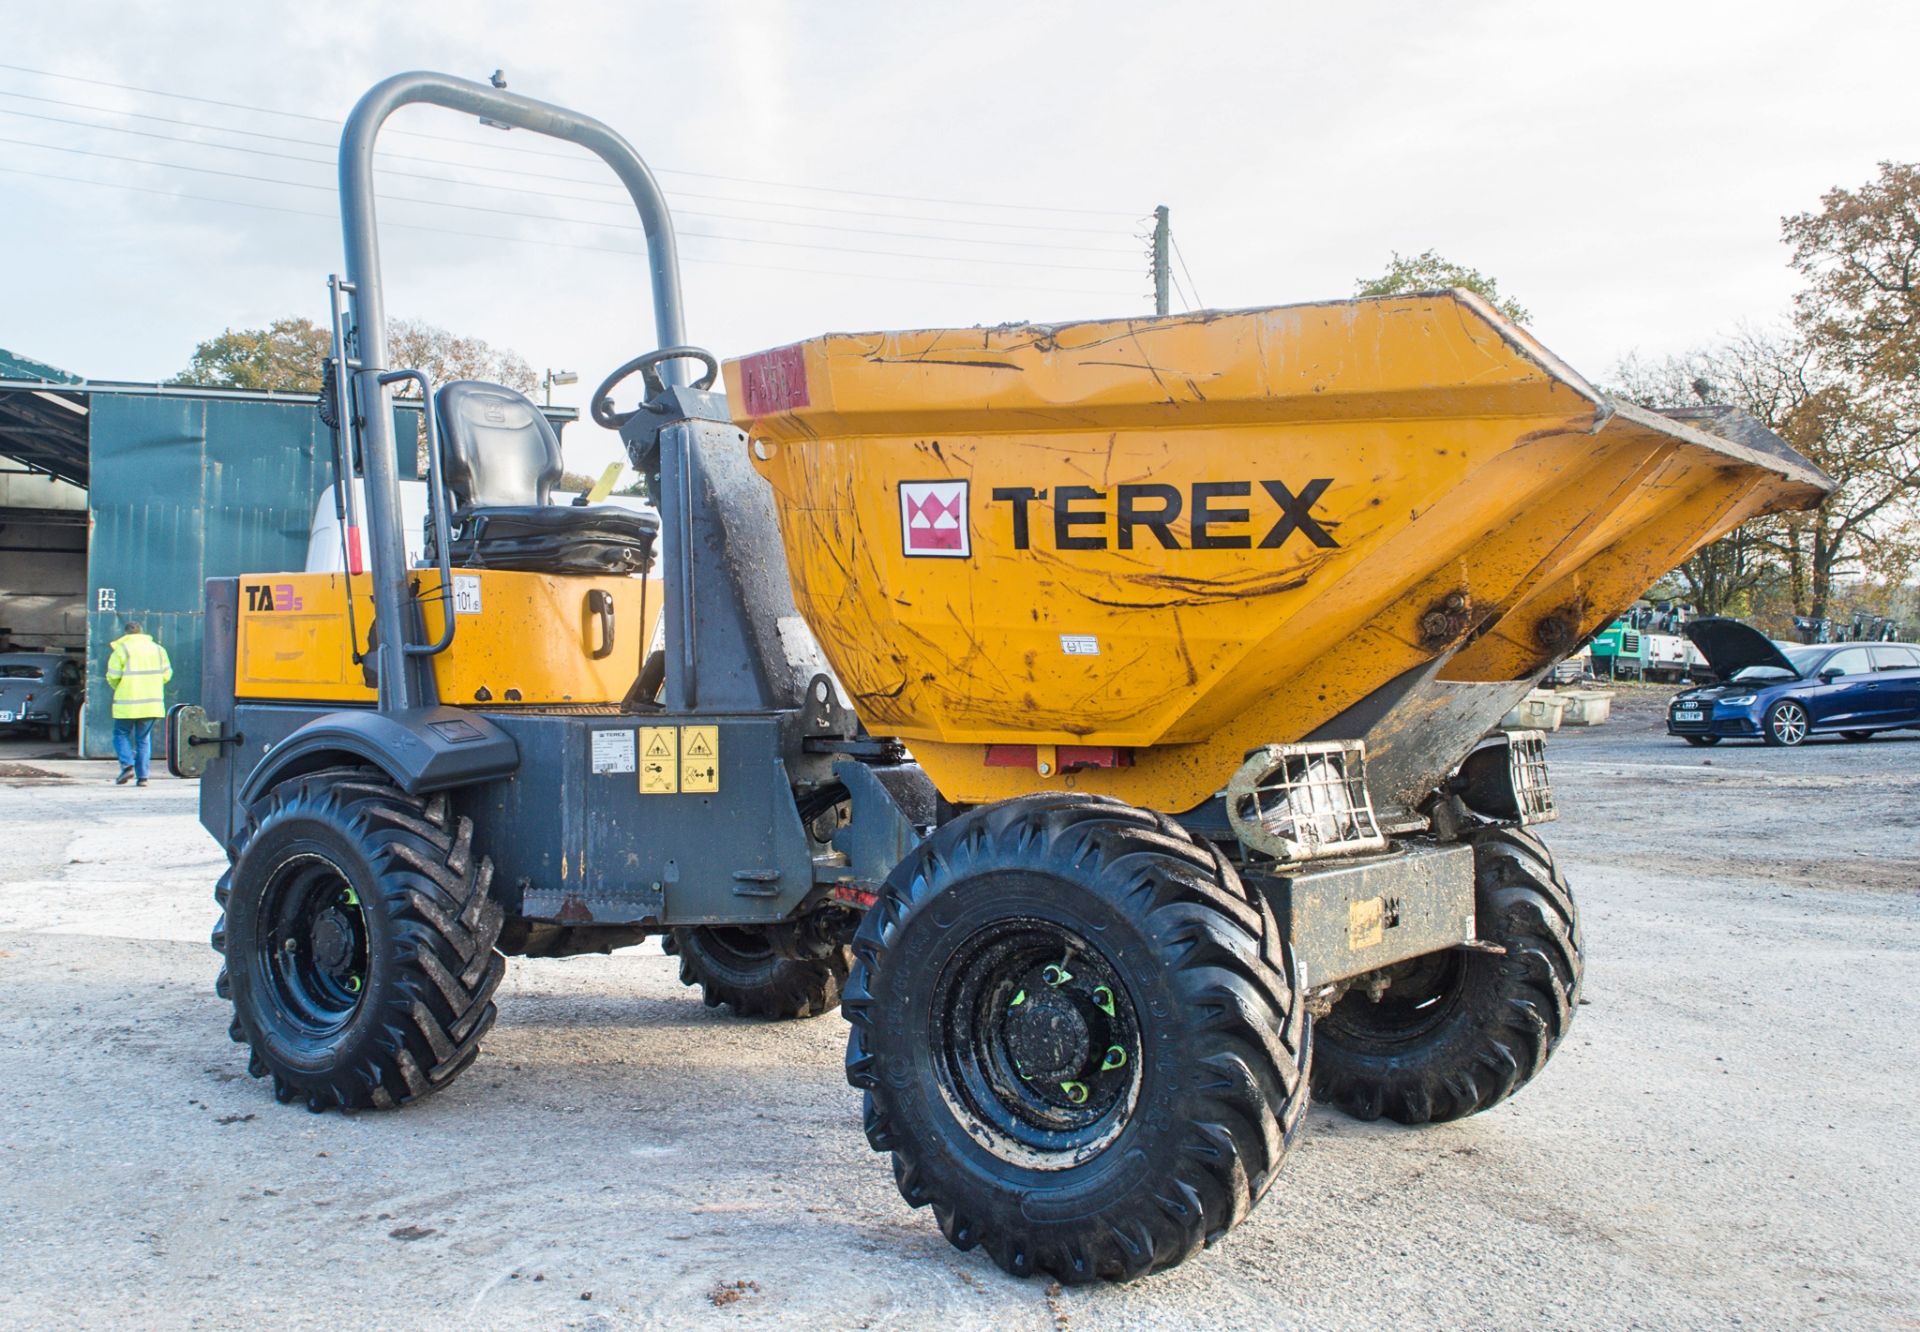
1786	724
358	936
1458	1032
1082	1041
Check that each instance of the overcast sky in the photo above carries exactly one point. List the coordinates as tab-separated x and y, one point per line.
1620	168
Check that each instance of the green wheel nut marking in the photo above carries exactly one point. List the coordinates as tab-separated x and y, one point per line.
1056	975
352	898
1076	1091
1115	1058
1018	999
1103	999
353	984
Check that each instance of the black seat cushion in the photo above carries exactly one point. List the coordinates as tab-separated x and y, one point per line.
500	450
553	538
502	462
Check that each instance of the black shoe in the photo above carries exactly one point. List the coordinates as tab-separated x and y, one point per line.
141	782
126	775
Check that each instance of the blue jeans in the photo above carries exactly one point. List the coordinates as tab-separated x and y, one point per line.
133	742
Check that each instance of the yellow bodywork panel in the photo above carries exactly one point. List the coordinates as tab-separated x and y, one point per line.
1191	535
519	637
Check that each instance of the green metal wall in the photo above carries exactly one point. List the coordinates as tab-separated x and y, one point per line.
185	489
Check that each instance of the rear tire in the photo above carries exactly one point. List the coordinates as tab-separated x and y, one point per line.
737	966
358	936
1460	1031
1857	736
1702	741
60	730
1087	1110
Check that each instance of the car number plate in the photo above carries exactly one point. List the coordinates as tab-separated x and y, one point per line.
1688	716
6	716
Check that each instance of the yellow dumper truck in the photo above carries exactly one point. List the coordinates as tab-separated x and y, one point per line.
1098	713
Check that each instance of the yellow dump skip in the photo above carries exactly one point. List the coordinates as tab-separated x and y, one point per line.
1186	536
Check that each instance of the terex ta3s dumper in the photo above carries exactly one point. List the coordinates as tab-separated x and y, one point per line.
1097	713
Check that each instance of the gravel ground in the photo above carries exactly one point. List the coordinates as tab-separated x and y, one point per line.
1728	1137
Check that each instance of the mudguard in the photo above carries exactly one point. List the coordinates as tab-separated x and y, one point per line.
422	749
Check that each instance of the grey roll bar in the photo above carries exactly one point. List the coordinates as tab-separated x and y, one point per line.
405	674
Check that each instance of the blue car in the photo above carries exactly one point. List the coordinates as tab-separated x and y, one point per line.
1782	694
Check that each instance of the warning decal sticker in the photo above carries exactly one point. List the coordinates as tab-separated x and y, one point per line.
700	758
659	760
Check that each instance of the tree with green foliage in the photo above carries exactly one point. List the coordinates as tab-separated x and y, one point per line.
286	356
1842	386
1430	271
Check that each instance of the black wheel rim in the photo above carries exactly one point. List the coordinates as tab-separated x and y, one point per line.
1037	1040
1417	1003
313	947
737	946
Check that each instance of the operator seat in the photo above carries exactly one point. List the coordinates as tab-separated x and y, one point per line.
502	461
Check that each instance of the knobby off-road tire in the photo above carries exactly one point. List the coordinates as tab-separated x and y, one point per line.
1459	1032
358	938
736	966
1081	1040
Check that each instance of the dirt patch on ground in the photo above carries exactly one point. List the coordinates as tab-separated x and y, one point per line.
22	772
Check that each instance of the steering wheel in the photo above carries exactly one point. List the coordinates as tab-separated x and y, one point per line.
649	368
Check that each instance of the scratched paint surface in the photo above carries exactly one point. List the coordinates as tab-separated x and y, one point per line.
1192	535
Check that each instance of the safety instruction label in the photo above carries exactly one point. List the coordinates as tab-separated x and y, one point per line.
612	751
659	760
699	758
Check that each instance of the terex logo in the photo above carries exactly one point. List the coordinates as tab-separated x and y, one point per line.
1083	516
933	518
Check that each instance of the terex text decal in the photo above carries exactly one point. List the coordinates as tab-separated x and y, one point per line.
1221	515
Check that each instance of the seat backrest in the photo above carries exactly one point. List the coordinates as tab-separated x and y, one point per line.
499	449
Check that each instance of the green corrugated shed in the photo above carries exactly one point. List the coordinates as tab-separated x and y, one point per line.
187	487
183	485
15	366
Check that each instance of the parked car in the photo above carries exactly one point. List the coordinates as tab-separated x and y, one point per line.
42	690
1782	693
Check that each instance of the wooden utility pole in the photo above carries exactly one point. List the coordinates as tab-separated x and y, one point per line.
1161	272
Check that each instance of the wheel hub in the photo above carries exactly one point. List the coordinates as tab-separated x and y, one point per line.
332	941
1047	1036
1038	1037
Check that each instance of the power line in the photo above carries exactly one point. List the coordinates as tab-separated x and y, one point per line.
556	245
445	138
541	175
547	175
1192	286
611	226
545	194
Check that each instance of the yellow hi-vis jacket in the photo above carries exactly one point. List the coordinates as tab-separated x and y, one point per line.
138	670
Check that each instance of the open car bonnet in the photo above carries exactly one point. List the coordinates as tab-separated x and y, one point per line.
1730	646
